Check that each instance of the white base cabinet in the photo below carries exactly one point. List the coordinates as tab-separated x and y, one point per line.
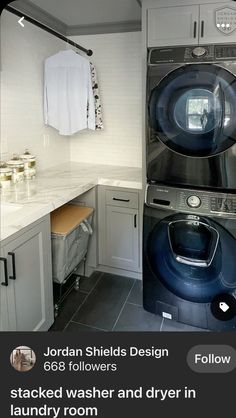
26	287
119	228
122	238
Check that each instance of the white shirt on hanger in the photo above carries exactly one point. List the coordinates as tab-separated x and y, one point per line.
68	96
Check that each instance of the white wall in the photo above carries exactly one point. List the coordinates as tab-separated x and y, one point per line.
23	51
117	58
118	62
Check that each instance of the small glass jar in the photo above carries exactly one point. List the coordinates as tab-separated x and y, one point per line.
29	164
5	175
17	167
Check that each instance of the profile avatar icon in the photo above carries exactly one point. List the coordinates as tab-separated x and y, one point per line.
23	358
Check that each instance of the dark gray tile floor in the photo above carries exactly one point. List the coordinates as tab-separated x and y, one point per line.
106	302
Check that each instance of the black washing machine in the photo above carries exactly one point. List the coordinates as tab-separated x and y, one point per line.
191	123
189	255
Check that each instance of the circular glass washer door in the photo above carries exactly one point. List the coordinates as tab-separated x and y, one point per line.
194	259
192	110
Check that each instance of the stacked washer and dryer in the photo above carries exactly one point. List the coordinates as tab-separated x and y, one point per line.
189	230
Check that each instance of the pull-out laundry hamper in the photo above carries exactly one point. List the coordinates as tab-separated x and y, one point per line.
70	232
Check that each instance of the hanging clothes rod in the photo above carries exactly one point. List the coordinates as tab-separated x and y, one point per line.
89	52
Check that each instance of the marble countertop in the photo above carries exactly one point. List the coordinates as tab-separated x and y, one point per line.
26	202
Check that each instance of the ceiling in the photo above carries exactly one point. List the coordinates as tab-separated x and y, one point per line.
88	12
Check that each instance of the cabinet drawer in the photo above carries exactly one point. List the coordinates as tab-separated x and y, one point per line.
120	198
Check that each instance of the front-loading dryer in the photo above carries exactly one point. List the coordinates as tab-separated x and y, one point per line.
189	255
191	116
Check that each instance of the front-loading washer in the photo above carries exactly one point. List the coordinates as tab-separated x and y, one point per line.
189	254
191	123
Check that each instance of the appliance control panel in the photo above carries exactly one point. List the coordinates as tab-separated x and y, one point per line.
223	204
194	201
191	201
192	54
225	52
199	51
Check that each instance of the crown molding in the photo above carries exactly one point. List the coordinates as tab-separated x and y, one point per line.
30	9
102	28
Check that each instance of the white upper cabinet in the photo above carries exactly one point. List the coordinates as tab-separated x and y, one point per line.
192	25
217	23
173	26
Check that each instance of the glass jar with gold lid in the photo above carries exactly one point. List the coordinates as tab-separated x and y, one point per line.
17	167
29	164
5	174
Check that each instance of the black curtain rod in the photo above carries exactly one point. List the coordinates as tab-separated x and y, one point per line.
89	52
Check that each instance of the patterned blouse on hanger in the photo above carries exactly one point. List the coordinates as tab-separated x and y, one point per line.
97	100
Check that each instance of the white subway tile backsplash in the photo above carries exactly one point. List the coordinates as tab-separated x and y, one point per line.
23	51
117	58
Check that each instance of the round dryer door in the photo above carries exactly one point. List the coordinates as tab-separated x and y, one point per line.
193	258
192	110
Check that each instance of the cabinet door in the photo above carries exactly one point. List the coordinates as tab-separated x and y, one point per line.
169	26
122	245
29	296
221	14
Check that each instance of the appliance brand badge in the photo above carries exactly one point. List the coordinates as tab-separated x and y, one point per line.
162	190
225	20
